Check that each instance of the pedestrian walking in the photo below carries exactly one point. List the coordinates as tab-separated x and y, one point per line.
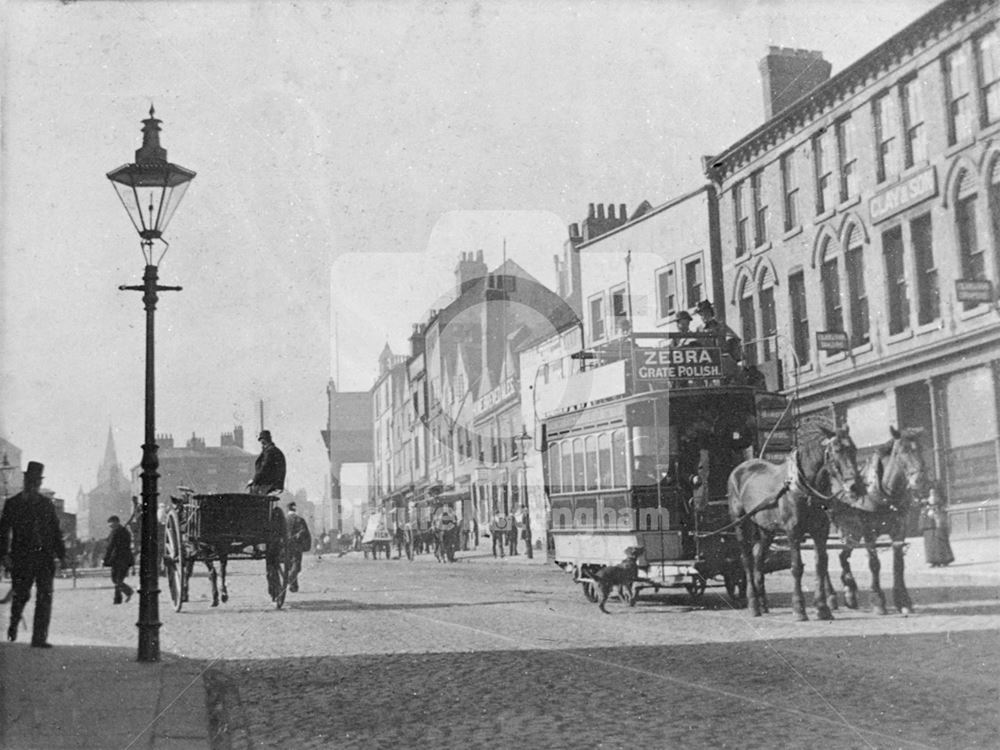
498	532
512	533
299	540
934	525
269	468
30	542
119	558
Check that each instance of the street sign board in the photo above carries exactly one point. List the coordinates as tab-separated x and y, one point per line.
974	290
831	341
682	362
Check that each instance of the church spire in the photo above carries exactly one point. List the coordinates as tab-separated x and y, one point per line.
110	469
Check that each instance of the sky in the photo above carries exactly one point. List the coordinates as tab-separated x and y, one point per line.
347	154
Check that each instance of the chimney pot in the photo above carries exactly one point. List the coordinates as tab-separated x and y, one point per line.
600	211
611	211
590	211
621	213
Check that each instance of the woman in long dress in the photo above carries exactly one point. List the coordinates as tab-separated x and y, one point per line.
934	524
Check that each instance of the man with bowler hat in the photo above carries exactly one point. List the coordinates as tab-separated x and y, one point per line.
119	558
269	469
35	540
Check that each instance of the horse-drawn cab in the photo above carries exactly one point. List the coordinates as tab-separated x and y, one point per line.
221	527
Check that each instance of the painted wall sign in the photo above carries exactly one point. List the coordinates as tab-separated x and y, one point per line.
831	341
974	290
902	195
506	390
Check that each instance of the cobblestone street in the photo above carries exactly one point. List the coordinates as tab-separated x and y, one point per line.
481	654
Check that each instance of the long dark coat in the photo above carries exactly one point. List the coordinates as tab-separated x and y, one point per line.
269	469
31	522
119	553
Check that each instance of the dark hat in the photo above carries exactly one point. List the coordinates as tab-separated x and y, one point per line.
683	315
291	506
114	519
34	470
704	306
264	434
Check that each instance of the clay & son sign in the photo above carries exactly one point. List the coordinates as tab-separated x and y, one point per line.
911	191
678	363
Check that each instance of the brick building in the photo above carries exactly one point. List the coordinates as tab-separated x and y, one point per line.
860	240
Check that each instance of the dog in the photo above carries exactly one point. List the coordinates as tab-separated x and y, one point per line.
621	576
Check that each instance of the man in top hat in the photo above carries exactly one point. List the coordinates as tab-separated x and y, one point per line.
269	469
299	541
35	540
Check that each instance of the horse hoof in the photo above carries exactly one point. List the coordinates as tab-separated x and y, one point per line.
215	603
906	611
851	602
832	602
878	610
823	613
225	598
801	617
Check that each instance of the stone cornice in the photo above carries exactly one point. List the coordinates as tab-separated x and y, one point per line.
926	30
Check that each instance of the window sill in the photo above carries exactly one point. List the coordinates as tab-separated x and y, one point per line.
853	201
916	167
804	369
820	218
989	130
934	325
762	248
834	357
861	349
960	146
792	232
974	312
895	338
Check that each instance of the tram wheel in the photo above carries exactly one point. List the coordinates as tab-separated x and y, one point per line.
173	561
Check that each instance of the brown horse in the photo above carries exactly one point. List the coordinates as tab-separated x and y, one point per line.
895	474
795	497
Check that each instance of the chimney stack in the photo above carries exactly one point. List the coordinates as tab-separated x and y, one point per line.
789	74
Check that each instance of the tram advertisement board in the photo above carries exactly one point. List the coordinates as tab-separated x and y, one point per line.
680	362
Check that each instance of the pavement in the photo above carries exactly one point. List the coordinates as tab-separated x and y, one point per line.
97	696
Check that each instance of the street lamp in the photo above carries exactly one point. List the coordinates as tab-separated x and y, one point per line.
150	189
522	444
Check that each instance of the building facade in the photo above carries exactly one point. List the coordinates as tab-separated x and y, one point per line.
860	244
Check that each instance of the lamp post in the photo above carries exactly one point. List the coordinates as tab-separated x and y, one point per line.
150	189
522	444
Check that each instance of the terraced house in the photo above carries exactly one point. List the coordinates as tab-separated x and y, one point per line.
860	241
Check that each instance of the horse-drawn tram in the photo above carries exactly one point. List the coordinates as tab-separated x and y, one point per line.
222	527
638	450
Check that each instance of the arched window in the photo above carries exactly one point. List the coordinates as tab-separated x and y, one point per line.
994	182
854	262
748	320
972	258
833	306
768	319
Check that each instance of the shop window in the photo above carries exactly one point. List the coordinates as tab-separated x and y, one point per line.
988	63
914	132
759	208
694	281
895	279
740	221
971	252
854	260
666	285
928	297
846	159
958	95
800	316
833	307
789	190
886	148
823	171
